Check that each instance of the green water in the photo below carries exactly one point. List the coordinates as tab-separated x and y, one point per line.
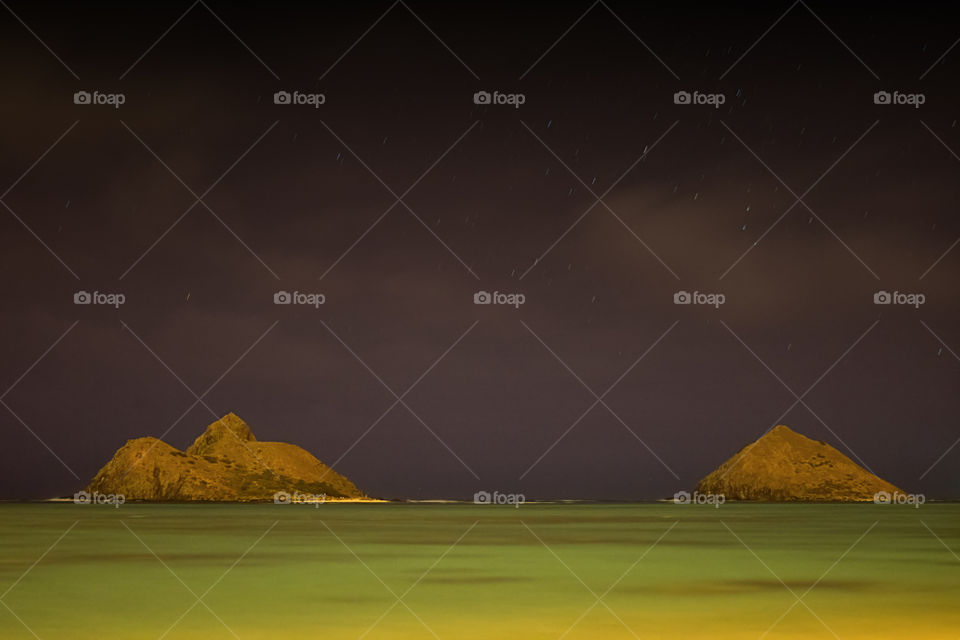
293	571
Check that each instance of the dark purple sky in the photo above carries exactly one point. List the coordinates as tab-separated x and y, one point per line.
294	189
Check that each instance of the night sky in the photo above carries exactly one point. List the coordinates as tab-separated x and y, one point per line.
399	198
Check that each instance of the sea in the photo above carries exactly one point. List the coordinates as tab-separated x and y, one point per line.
455	570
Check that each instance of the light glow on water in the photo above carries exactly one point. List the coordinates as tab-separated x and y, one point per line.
479	571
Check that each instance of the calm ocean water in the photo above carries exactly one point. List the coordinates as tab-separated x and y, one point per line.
479	571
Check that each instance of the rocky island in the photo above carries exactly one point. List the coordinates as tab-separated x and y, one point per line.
785	466
225	464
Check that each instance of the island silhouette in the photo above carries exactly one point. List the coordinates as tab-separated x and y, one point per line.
226	463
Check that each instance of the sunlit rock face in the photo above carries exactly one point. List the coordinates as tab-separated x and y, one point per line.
785	466
225	463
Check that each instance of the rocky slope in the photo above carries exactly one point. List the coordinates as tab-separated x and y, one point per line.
226	463
785	466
